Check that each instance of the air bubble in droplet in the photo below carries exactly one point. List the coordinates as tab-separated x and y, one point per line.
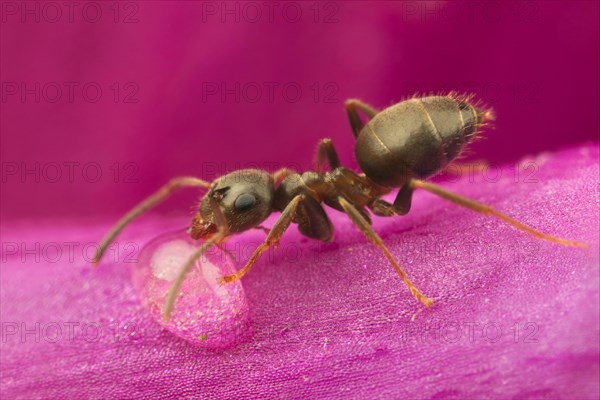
207	313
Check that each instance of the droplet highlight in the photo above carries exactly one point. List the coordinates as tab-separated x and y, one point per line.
207	313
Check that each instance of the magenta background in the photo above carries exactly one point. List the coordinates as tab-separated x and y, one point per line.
374	52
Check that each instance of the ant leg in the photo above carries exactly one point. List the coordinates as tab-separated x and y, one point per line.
368	231
326	151
403	200
272	239
355	121
382	208
144	206
215	239
487	210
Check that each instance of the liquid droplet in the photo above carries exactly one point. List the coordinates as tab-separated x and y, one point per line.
207	313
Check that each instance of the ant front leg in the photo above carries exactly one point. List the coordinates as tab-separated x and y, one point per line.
281	225
356	122
326	151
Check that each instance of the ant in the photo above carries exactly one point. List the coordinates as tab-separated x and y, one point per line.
398	147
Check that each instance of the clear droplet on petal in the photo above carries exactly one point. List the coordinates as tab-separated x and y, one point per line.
207	313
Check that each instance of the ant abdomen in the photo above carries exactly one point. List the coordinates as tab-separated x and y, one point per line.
417	138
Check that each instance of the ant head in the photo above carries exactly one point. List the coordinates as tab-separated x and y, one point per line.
245	198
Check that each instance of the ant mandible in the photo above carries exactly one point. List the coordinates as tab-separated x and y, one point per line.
398	147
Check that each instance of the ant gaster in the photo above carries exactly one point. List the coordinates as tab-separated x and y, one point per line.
399	147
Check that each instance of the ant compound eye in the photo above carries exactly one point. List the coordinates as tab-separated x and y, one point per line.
244	202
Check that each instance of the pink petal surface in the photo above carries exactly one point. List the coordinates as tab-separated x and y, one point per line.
515	317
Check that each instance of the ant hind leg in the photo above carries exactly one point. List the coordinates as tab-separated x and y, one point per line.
487	210
403	200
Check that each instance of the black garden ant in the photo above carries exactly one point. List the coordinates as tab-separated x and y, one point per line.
399	147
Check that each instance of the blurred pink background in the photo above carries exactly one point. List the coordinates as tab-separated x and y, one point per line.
103	103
